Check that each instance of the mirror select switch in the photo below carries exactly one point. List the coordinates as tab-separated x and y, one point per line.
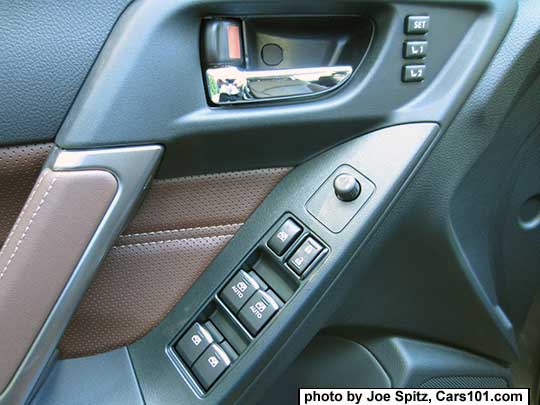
193	343
258	311
284	237
213	362
239	291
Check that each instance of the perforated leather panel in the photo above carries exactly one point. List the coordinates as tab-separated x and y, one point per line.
19	169
182	225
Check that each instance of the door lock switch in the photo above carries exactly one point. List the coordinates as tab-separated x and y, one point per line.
239	291
258	311
212	363
193	343
305	255
284	237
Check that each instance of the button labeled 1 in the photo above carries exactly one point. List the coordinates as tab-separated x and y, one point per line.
238	291
258	311
414	73
213	362
193	343
304	255
415	49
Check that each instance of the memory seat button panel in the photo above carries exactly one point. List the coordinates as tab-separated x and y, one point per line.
247	303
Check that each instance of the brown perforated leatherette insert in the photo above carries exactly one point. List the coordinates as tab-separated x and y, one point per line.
181	226
19	170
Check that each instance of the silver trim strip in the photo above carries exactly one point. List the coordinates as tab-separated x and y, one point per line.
134	168
230	85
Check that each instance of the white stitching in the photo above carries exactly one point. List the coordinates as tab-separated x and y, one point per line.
41	177
25	232
178	230
160	242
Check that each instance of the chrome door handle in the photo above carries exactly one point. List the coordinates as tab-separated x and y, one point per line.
231	85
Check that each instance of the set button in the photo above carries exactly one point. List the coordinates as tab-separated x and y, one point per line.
417	24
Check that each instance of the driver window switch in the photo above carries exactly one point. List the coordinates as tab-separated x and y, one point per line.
212	363
238	291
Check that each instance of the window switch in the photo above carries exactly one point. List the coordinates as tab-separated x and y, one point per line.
304	255
284	237
193	343
212	363
239	291
258	311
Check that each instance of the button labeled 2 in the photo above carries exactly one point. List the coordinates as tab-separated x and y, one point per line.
414	73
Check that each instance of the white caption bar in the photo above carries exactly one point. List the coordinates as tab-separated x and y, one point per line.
413	396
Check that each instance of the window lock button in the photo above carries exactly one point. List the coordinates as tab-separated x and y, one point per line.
304	255
284	237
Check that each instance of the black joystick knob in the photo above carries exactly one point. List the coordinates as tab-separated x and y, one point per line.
346	187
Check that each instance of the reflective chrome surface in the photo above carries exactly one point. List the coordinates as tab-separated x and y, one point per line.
230	85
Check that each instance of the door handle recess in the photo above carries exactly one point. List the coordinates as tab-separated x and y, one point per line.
231	85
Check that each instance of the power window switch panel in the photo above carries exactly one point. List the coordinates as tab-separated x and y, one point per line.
284	237
305	255
193	343
417	24
212	363
414	73
258	311
239	291
415	49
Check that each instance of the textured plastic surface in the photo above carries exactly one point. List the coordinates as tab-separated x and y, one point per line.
48	48
106	378
148	86
413	363
328	362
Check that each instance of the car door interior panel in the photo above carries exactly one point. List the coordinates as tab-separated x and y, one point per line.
227	201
